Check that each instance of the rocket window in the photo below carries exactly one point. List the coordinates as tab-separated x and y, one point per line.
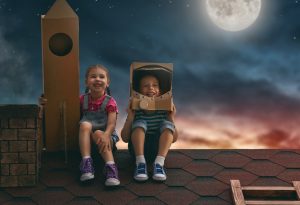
60	44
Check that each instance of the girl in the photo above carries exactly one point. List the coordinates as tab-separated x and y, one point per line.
98	120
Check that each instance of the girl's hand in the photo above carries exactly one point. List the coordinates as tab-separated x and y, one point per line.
103	143
42	100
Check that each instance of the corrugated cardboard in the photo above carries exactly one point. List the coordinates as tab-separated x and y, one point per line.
60	51
164	72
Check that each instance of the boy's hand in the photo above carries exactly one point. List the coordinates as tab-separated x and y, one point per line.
130	112
172	113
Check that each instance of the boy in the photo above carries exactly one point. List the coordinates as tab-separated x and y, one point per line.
149	133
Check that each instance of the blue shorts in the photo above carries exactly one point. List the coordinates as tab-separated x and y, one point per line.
151	141
164	125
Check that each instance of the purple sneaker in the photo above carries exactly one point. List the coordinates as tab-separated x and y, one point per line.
111	174
86	169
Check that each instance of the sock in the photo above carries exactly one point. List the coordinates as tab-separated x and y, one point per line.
160	160
140	159
110	162
86	157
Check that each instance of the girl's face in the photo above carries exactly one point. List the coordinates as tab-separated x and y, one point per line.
97	80
149	86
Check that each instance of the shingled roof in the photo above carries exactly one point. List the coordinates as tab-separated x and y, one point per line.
194	177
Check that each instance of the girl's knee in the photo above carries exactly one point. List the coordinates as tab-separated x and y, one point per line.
85	126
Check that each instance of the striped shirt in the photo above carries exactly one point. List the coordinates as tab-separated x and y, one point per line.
153	119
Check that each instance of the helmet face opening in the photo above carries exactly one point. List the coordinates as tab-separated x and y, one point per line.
163	72
163	75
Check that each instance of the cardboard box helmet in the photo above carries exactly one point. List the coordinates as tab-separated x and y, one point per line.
163	72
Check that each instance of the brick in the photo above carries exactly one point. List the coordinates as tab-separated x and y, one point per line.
18	169
31	123
9	181
31	146
27	157
27	134
29	180
8	134
4	169
18	146
4	123
9	158
17	123
31	168
4	146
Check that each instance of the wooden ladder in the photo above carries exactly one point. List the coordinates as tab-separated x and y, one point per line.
265	195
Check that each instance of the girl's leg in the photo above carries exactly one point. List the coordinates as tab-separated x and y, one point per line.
84	139
86	165
110	169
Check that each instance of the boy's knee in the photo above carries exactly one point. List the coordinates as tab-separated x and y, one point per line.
167	126
139	125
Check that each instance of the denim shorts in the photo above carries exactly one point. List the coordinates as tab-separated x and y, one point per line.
164	125
151	141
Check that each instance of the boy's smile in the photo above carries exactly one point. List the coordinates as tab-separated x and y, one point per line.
149	86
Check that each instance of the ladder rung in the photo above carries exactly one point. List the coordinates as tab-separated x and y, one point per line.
272	202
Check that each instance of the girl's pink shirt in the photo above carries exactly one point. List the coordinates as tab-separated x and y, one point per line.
94	105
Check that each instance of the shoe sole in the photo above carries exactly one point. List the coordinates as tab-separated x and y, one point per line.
159	178
112	183
86	178
141	179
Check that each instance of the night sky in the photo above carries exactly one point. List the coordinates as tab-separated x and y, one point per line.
231	89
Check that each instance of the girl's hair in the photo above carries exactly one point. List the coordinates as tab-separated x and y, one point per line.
100	67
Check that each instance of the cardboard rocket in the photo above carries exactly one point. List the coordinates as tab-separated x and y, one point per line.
60	52
163	72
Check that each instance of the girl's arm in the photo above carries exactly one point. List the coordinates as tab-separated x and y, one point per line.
110	127
171	118
126	131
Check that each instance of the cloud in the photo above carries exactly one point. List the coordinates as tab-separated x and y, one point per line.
16	83
279	139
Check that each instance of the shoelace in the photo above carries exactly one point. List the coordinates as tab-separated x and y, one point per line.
141	169
111	171
159	169
87	166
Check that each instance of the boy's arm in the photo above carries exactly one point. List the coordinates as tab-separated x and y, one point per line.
171	118
126	131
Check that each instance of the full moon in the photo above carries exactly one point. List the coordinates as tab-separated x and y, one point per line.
233	15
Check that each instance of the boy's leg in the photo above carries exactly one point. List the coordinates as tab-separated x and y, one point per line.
165	141
138	141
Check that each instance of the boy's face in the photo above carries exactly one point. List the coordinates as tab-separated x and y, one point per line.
149	86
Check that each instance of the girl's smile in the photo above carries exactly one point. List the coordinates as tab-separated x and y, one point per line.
97	81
